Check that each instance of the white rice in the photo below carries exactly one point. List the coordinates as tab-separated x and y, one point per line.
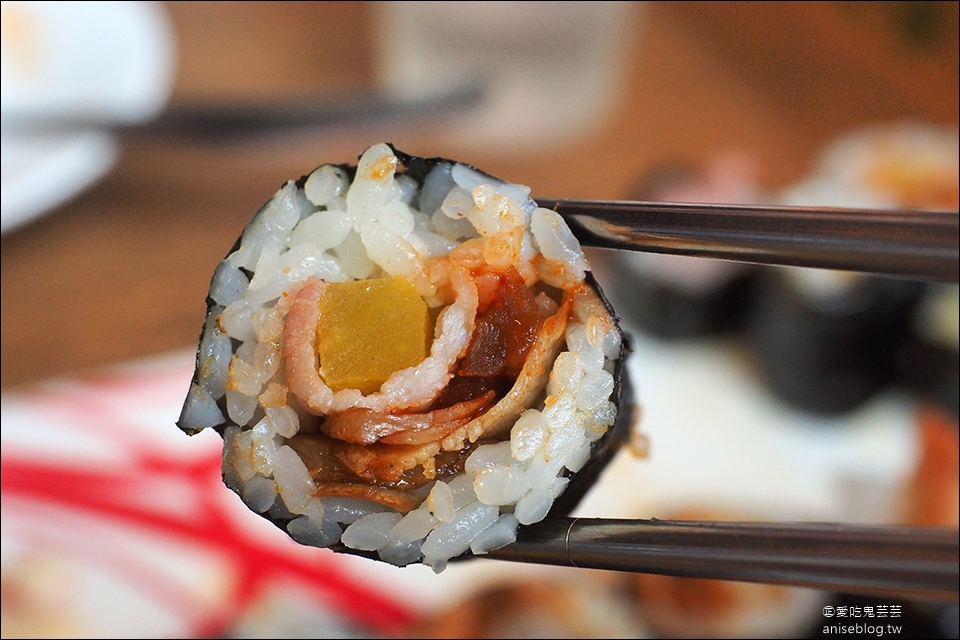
337	231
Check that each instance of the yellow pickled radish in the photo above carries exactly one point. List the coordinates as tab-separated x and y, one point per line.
368	329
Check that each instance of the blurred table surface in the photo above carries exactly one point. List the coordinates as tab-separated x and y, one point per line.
122	270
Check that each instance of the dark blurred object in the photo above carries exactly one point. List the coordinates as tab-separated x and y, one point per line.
924	25
669	310
677	297
824	341
931	371
271	117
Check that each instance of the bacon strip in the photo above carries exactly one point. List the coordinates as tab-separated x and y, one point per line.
300	350
402	501
529	385
365	426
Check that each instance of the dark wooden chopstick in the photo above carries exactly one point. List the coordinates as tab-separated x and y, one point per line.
897	242
869	560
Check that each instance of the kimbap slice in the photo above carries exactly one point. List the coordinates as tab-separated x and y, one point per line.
408	359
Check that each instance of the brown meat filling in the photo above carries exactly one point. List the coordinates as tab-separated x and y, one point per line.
382	457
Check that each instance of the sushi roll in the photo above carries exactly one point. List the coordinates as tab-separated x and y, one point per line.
673	297
827	342
408	359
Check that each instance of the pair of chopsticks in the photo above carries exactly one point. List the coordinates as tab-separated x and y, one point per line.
886	561
909	243
871	560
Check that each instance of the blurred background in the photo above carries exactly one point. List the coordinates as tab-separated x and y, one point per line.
138	138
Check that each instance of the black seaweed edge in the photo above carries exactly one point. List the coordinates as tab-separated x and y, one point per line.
617	435
602	451
418	168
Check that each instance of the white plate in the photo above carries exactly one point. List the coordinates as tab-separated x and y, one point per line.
70	71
